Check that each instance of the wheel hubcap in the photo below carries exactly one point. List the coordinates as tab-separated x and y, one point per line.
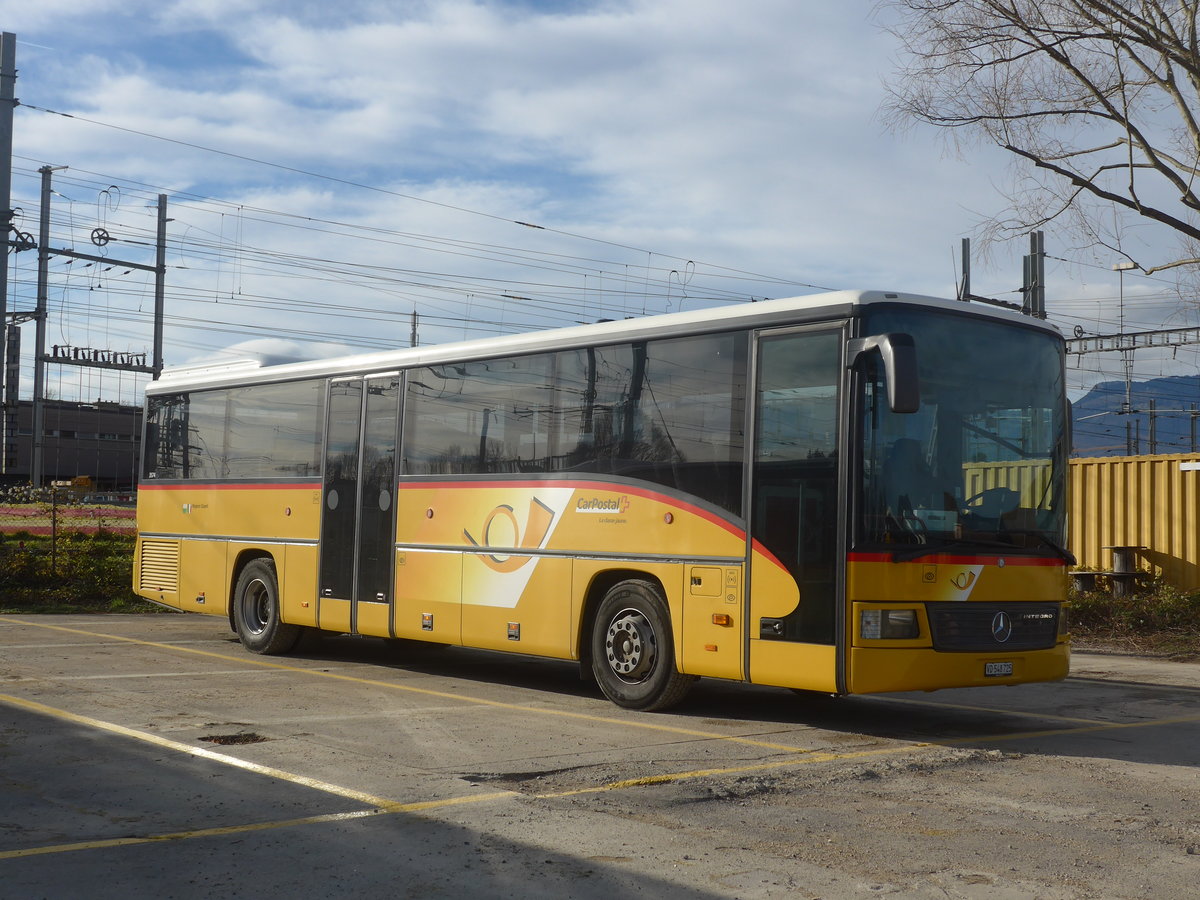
630	646
256	607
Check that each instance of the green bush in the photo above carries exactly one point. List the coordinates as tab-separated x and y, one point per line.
84	573
1157	619
1159	608
26	493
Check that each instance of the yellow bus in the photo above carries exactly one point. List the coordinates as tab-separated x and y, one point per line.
851	492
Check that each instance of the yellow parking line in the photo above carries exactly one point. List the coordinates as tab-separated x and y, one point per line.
816	756
202	752
427	692
820	756
381	806
1084	725
184	835
1082	729
1025	713
390	810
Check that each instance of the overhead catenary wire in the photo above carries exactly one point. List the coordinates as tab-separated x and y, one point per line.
555	297
367	187
574	287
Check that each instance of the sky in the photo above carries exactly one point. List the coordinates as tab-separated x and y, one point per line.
493	166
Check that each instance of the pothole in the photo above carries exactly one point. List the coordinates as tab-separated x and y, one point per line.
242	737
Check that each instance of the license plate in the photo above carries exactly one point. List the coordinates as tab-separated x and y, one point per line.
997	669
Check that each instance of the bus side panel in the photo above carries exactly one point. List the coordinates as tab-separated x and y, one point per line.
808	667
713	627
233	510
527	610
774	594
373	619
298	584
511	533
169	514
333	615
561	515
204	577
428	595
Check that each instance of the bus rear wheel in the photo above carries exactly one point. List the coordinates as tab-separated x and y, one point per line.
633	656
256	611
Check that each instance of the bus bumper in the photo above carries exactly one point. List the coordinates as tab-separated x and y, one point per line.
890	669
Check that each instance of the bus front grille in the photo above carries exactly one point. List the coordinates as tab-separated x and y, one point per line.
987	627
160	566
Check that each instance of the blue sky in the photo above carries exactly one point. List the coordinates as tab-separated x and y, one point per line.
666	149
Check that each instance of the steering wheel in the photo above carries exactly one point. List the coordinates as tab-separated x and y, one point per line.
992	503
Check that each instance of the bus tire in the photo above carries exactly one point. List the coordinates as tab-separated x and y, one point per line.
256	611
633	655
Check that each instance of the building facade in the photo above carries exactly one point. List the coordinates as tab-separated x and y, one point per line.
98	440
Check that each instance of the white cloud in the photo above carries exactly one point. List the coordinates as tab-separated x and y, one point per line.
739	135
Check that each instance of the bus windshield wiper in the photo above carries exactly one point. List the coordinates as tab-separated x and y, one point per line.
960	544
948	546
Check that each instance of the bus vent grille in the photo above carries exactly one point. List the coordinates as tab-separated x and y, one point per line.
993	627
160	566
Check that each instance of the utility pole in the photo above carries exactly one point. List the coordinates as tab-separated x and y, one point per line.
39	318
160	284
1153	428
8	79
90	358
1126	355
1126	342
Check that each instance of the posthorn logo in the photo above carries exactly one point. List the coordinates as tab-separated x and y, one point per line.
963	580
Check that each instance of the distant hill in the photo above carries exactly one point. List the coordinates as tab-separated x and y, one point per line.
1100	428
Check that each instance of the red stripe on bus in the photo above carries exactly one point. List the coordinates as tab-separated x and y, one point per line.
225	486
990	559
583	485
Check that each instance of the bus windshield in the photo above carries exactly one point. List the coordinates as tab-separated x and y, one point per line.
982	463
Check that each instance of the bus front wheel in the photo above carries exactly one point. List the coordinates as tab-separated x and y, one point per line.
633	656
256	611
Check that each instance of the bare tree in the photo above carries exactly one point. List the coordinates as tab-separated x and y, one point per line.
1097	100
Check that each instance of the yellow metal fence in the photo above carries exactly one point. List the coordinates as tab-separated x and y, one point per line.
1149	503
1026	478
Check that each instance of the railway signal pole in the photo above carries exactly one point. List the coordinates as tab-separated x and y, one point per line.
8	79
102	359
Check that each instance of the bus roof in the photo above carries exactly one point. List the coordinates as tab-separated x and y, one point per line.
765	313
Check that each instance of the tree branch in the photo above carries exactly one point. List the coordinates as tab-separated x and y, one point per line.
1149	212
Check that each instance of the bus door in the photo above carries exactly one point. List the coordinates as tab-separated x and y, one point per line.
795	514
358	500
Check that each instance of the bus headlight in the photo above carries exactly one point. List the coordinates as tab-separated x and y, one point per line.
888	624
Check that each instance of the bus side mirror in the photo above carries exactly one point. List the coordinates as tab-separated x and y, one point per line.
899	354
